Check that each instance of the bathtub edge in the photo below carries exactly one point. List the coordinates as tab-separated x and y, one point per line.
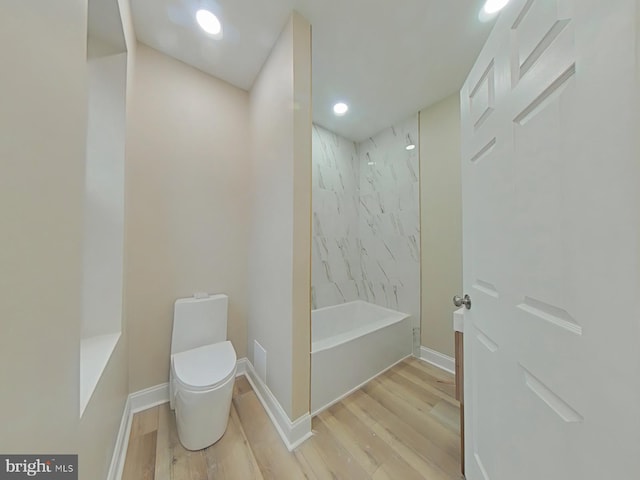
333	402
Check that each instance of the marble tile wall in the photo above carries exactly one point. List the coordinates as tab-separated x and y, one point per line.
335	267
389	218
366	221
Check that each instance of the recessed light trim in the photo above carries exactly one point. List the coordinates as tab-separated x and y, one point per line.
208	22
340	109
410	147
494	6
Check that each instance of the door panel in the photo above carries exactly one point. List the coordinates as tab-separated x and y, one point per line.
550	222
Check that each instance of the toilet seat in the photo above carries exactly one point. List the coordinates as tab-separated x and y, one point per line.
205	368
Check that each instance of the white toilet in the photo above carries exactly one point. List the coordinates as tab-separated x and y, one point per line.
203	369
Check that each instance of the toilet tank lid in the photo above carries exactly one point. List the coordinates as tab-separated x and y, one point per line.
205	366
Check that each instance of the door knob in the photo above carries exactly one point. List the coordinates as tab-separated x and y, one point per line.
459	301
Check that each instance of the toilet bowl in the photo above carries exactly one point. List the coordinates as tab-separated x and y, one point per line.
203	369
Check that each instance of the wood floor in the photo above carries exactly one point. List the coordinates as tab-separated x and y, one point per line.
403	425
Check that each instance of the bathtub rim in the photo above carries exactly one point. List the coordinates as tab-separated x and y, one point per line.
358	302
395	316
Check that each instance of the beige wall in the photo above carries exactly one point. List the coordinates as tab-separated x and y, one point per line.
187	221
42	157
186	204
280	247
441	221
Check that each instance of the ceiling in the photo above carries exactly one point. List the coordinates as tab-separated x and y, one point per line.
386	59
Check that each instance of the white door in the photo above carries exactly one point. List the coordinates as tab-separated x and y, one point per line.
551	181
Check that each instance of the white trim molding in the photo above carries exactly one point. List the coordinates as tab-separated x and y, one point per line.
149	398
136	402
437	359
122	442
241	366
292	433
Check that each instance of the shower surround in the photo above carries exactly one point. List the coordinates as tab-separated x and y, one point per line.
366	221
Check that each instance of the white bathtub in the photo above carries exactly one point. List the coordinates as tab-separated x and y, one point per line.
351	344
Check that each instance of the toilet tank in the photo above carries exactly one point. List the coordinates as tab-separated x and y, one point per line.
198	322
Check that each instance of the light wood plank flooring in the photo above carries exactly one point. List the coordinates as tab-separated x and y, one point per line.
403	425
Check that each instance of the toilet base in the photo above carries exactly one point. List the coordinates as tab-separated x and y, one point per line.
202	416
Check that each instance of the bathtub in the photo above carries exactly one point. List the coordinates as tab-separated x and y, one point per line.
351	344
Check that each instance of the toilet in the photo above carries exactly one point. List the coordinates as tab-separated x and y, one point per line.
203	369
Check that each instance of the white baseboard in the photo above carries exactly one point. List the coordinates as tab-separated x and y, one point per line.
137	402
241	366
292	433
437	359
149	398
122	442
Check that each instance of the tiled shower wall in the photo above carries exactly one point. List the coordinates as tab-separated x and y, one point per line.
389	218
335	267
366	228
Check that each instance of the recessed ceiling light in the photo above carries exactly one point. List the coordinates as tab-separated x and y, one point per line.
494	6
340	109
410	147
208	22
